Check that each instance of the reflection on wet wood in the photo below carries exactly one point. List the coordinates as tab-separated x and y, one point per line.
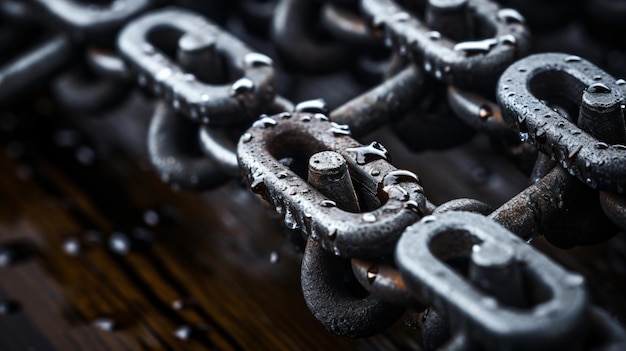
96	253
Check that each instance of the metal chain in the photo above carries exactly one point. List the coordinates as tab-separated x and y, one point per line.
369	226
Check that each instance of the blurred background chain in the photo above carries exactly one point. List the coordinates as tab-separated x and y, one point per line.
320	106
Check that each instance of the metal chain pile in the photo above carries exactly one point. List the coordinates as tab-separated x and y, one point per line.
376	246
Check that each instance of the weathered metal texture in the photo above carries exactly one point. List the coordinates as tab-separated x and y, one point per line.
390	198
559	297
252	74
80	90
436	331
28	69
375	107
347	25
431	124
488	290
470	63
342	309
328	173
614	207
222	150
466	205
558	207
520	92
480	113
174	148
295	44
384	281
93	20
106	63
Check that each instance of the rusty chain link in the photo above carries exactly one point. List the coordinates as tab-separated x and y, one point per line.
376	246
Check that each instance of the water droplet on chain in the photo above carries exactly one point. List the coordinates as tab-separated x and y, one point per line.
369	153
540	136
396	192
328	203
591	183
602	145
434	35
242	86
508	39
163	74
258	185
572	154
412	206
429	219
399	176
369	217
479	46
147	49
255	59
290	220
332	236
312	106
598	88
340	129
400	17
484	112
574	280
572	58
523	136
265	122
510	16
321	117
372	273
246	137
336	250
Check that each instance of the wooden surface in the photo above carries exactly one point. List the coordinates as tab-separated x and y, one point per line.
217	263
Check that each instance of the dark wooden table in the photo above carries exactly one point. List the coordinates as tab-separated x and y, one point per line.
99	254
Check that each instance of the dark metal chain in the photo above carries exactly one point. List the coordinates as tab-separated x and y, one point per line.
558	117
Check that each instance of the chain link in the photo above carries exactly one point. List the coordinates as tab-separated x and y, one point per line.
376	246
